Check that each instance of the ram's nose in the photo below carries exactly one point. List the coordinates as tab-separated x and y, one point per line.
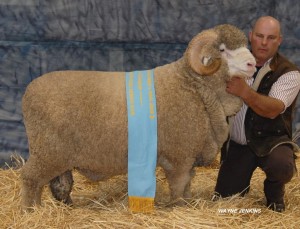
251	66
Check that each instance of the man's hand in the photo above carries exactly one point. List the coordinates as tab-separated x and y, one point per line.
238	86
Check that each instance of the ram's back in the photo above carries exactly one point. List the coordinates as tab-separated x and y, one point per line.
78	115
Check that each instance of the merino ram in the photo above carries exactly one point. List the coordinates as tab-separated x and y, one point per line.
78	119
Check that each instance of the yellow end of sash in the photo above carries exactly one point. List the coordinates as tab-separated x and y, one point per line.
141	204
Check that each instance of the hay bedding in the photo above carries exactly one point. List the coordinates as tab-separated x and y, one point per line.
104	205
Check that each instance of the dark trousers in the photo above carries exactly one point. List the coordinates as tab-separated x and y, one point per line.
239	163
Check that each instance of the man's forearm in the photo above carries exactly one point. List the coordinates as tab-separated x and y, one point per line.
263	105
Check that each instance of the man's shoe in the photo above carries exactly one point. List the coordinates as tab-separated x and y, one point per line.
216	196
277	207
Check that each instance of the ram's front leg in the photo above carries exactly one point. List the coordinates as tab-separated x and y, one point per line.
187	194
179	179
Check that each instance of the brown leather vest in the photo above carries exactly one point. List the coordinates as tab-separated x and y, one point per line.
263	134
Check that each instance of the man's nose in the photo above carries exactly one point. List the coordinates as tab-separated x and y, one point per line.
264	41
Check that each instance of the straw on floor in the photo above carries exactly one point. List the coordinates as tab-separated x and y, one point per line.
104	205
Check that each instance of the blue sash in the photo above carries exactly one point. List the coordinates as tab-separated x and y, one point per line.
142	140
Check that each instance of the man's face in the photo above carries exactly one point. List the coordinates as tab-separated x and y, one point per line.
265	39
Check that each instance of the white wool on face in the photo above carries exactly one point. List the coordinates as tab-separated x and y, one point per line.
240	61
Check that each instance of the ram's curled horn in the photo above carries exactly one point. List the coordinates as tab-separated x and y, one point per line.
200	49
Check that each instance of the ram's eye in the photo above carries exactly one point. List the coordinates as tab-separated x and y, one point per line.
222	47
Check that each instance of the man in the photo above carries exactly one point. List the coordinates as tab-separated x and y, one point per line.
261	131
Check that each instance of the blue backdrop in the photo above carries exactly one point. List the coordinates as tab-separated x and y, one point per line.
39	36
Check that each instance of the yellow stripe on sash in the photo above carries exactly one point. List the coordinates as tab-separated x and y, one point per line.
141	204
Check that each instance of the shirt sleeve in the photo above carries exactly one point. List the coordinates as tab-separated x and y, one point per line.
286	88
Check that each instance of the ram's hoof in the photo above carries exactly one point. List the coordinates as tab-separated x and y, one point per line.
177	203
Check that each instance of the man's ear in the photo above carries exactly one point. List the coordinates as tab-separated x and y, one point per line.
250	35
279	40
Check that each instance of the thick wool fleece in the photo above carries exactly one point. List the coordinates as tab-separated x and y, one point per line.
78	119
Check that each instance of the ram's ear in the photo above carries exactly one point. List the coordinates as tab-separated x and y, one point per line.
202	54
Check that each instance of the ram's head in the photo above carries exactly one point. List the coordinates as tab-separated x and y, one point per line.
208	49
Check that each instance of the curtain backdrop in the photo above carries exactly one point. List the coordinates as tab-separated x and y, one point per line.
40	36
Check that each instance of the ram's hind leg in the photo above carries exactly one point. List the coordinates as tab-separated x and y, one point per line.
61	187
32	183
